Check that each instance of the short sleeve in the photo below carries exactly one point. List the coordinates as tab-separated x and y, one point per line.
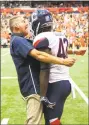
22	46
41	43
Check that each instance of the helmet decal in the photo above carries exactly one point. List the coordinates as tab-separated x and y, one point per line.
39	19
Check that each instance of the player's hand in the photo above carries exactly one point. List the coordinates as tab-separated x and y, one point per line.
81	52
69	61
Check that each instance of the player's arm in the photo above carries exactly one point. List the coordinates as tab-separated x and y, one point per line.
44	80
44	75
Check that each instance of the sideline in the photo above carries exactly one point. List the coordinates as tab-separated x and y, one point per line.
5	54
79	91
5	121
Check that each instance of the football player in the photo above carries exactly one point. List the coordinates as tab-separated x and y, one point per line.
57	76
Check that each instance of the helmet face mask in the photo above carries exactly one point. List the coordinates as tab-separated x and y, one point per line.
45	29
47	24
40	21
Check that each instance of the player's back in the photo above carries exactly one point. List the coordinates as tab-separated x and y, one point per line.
58	44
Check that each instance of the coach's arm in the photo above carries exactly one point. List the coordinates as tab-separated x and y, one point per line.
47	58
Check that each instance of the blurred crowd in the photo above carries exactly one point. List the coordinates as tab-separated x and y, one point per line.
73	24
33	4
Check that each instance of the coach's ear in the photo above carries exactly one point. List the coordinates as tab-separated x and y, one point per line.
16	28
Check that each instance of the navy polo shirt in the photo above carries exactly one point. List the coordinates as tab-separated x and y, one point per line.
27	67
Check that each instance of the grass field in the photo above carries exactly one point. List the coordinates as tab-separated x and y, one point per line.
13	106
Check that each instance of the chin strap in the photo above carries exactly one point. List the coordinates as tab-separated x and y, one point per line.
37	29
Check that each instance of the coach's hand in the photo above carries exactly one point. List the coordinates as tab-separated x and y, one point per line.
69	61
